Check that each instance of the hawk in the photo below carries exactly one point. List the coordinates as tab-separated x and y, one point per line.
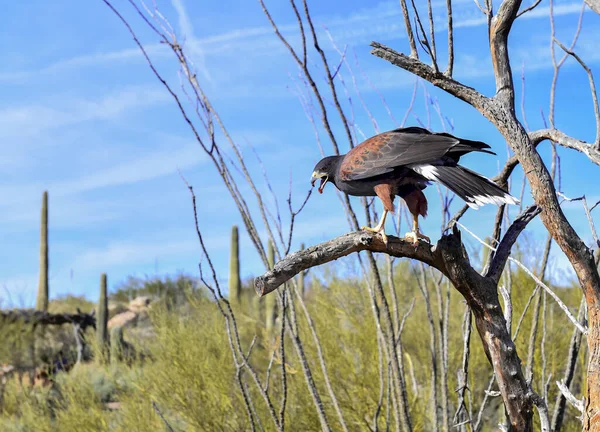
403	162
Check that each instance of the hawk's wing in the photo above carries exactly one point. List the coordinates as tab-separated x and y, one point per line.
384	152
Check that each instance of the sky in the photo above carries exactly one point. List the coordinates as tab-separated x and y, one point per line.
83	117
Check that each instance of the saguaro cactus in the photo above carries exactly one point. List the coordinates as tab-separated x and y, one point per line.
102	315
117	344
270	300
235	283
42	295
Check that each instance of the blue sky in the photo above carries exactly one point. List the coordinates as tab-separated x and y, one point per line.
83	117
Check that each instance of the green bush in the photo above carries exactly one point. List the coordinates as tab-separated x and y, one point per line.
190	377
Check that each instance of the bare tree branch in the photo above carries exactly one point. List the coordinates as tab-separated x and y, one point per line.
529	8
503	250
321	356
592	89
411	36
542	411
574	348
577	403
462	414
594	5
432	36
422	283
561	304
564	140
450	39
500	110
499	30
461	91
449	257
337	248
37	317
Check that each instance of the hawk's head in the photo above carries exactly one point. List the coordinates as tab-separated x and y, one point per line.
325	170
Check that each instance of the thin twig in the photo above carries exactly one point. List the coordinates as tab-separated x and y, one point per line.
411	37
162	417
422	284
432	35
564	307
450	39
321	356
529	8
571	364
577	403
487	394
592	87
463	372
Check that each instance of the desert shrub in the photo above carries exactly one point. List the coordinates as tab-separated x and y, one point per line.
190	377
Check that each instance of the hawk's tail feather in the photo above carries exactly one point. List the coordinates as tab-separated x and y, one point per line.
473	188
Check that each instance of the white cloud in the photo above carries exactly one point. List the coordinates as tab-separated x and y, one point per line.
155	164
126	253
381	22
111	57
193	45
30	120
65	212
164	161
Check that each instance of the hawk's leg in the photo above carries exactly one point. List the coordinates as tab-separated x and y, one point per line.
380	228
417	205
385	193
415	234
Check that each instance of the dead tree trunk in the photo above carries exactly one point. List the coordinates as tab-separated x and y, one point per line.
500	110
480	291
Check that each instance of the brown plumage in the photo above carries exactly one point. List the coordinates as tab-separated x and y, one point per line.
402	163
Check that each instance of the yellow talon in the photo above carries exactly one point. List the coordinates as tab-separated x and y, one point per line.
414	237
379	228
415	234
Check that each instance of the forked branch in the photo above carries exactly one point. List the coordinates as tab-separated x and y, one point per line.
415	66
450	258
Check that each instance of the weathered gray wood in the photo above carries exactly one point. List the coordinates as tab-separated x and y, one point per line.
500	110
36	317
450	258
594	5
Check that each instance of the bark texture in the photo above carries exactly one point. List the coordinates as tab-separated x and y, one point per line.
500	110
449	257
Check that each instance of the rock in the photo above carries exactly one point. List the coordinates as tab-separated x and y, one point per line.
112	406
140	304
116	308
124	319
129	317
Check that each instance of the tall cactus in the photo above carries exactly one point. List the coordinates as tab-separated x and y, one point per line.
301	275
235	283
270	305
102	316
117	344
42	295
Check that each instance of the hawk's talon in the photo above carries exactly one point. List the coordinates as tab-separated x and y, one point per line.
380	228
366	228
377	230
414	237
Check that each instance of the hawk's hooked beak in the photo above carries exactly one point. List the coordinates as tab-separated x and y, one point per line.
319	175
